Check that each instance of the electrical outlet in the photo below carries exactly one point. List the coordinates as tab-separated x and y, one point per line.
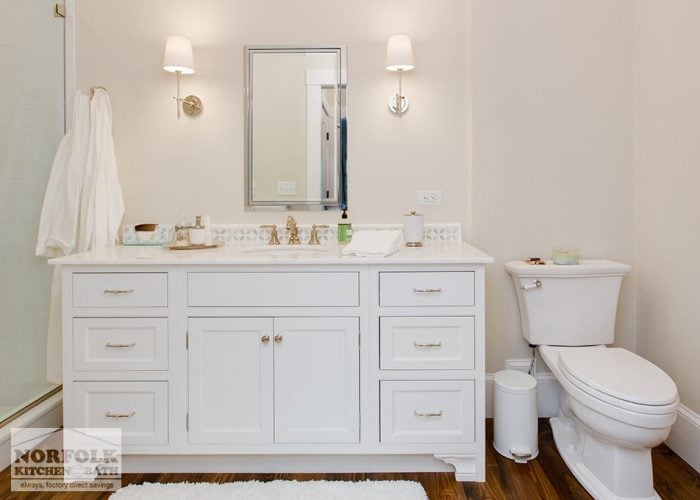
286	188
430	197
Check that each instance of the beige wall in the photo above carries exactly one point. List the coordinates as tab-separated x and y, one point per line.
552	157
168	166
548	161
667	176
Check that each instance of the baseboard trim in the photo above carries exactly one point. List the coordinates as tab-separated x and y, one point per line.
548	390
684	439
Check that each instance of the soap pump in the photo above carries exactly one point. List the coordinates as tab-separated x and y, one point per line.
344	228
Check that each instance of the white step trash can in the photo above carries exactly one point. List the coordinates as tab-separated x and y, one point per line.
515	415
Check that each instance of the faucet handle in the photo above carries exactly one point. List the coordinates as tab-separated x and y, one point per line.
274	237
313	240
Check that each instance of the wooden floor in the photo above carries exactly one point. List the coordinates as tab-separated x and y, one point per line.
543	478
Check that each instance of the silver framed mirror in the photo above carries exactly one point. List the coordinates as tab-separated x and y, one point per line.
296	128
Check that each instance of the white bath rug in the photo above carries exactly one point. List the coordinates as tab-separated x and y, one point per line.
275	490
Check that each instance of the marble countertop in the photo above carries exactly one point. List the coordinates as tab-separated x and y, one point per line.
326	254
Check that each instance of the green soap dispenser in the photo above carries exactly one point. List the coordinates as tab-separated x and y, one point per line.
344	228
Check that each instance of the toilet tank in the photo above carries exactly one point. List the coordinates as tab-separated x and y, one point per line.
568	305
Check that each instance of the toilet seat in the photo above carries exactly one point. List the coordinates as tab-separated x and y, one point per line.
620	378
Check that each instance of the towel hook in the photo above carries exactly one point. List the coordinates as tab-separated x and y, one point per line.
96	88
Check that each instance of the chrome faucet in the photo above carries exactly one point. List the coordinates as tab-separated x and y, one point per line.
293	231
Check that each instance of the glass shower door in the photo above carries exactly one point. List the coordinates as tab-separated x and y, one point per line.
31	126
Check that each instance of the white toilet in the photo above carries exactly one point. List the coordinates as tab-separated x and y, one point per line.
616	405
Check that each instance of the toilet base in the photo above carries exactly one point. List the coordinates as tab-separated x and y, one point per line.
571	446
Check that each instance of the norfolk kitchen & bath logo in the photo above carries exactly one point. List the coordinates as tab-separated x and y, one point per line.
76	459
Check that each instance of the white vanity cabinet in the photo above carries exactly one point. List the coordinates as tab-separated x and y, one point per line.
274	380
223	361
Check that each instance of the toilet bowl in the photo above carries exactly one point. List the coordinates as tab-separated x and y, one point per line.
615	406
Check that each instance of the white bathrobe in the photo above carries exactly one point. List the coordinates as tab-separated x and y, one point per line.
58	227
102	204
83	205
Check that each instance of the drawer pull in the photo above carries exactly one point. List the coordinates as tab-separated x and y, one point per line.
111	345
428	414
119	291
110	414
427	344
427	290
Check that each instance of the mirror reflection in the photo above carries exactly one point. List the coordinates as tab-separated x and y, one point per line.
296	128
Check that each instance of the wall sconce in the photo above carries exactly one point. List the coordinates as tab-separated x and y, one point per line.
399	58
178	59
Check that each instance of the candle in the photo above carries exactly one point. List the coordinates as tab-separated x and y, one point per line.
566	256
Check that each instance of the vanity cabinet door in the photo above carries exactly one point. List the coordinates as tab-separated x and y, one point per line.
230	376
317	371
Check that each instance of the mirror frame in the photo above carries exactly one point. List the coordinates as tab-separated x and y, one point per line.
341	179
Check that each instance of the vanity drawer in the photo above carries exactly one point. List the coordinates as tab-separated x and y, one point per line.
139	408
426	289
307	289
120	290
424	343
120	344
427	411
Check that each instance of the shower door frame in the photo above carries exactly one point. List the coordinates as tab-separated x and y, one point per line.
69	68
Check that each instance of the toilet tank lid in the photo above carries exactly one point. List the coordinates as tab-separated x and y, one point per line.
586	267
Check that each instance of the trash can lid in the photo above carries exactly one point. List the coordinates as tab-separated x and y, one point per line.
514	382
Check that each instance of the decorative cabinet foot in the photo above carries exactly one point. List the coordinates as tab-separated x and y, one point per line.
467	467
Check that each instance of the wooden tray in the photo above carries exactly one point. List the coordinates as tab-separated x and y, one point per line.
193	247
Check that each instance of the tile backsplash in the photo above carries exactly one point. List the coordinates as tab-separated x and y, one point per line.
252	234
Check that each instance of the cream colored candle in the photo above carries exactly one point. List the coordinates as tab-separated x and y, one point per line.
566	256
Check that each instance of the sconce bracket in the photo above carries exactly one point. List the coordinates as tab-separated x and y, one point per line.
192	105
394	104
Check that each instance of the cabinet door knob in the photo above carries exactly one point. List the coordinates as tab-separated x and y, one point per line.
265	339
278	338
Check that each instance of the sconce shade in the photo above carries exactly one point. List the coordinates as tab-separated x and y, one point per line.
178	55
399	54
